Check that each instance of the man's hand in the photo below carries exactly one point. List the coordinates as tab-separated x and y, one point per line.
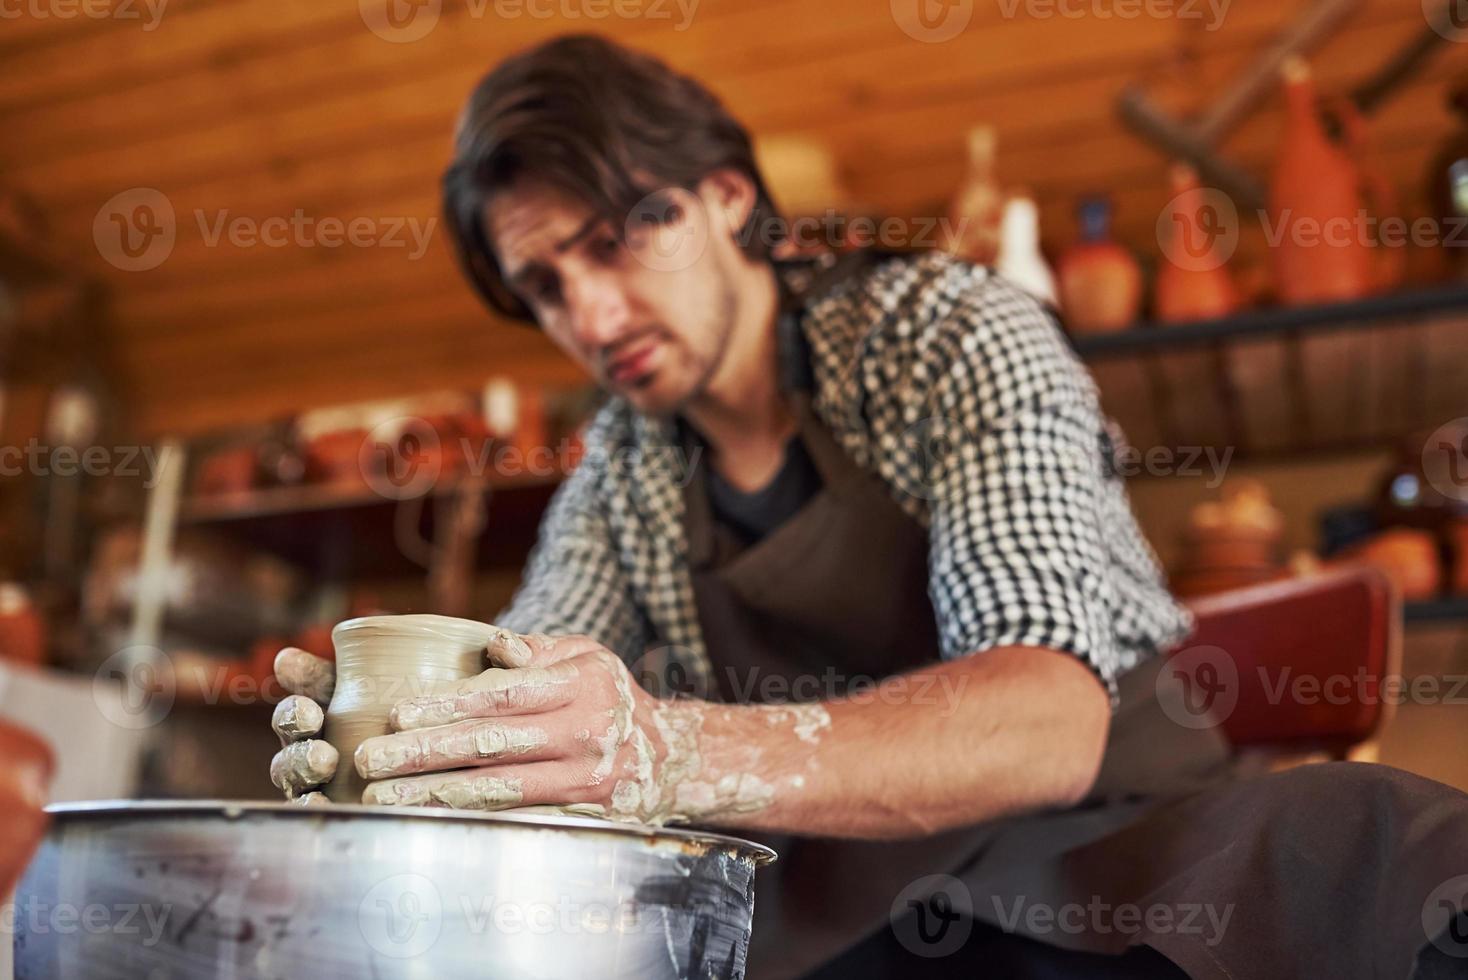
304	763
561	723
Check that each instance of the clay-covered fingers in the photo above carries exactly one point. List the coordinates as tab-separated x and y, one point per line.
464	743
305	674
303	766
492	788
297	717
465	789
494	693
506	649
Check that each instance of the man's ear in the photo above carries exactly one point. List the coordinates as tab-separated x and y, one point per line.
730	195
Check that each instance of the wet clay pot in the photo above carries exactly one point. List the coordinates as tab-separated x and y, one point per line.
381	660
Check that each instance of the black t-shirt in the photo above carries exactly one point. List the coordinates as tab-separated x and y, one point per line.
755	514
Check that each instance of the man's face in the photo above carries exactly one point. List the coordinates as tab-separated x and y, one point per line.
646	309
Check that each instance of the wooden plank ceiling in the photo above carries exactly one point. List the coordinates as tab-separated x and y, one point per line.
264	109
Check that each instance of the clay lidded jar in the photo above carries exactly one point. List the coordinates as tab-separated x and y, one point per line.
381	660
1193	281
1100	281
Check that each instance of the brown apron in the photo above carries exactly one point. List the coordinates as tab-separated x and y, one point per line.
839	593
1327	869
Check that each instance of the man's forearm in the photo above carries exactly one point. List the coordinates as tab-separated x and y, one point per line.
953	744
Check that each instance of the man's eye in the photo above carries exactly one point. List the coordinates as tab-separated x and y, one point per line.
545	292
606	248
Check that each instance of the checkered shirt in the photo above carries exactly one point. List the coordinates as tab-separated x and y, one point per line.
961	393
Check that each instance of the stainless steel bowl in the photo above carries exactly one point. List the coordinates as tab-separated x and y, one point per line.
158	891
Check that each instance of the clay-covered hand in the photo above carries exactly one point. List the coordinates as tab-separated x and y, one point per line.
559	721
304	763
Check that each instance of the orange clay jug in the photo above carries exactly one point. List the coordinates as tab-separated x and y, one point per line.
1100	281
1193	282
1314	227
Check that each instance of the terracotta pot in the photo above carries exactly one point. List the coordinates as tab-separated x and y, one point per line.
22	630
1190	583
1315	201
226	471
25	772
1457	534
1193	282
1100	281
335	457
1410	558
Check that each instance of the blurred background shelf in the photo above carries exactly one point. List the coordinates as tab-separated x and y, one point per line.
1440	611
1291	381
354	533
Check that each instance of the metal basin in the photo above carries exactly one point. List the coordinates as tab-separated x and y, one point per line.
158	891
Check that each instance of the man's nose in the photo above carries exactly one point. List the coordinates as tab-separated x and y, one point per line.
599	312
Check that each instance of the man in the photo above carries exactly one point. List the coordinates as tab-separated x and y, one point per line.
895	468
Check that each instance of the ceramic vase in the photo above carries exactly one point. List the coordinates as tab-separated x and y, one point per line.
976	212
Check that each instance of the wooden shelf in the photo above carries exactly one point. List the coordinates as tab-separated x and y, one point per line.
1290	381
1451	300
1453	609
343	533
311	498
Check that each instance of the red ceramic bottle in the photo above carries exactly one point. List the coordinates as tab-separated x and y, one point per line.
1314	232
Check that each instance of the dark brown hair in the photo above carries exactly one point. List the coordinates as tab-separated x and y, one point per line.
605	124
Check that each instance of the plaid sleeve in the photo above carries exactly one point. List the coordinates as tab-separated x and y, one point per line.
1019	496
574	582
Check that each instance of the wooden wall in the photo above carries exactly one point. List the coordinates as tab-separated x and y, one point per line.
263	108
